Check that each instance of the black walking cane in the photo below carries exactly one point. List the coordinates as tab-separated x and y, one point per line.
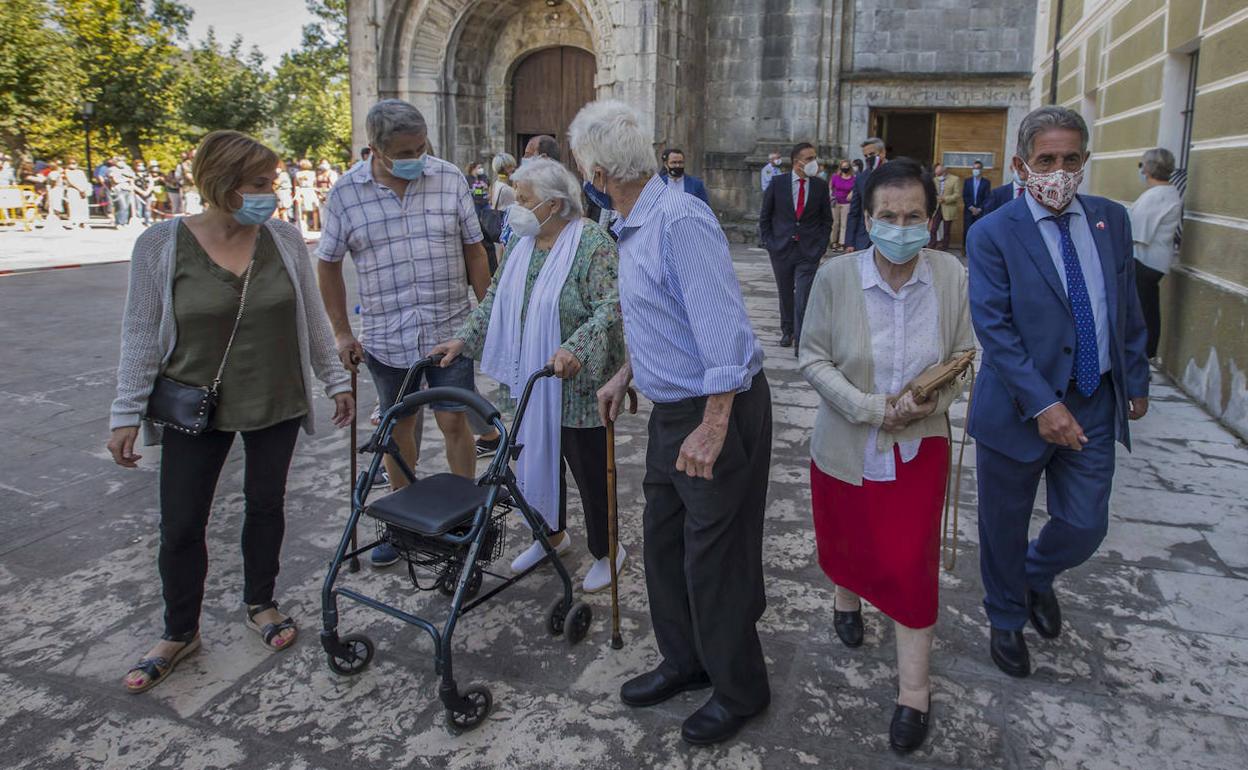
354	564
613	529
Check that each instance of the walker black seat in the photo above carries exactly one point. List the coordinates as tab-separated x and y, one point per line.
432	506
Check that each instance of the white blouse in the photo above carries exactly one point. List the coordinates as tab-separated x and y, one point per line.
904	342
1155	218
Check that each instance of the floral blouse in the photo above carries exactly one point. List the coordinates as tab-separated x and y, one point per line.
589	319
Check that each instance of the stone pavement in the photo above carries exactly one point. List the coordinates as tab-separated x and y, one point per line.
1152	671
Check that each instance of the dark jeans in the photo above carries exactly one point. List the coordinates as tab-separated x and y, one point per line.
585	454
1148	286
704	548
794	276
189	468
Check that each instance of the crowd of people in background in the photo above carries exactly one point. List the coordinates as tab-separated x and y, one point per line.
135	193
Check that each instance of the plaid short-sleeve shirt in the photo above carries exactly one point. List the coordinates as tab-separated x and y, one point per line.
408	253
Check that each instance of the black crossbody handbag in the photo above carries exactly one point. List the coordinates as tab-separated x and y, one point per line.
189	408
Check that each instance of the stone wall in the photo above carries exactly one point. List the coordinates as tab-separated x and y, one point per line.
943	36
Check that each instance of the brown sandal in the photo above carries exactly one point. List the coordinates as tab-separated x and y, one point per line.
159	668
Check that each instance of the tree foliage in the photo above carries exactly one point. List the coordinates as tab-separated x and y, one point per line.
311	89
154	93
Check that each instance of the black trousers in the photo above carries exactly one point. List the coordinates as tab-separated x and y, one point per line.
189	468
795	274
585	454
704	548
1148	286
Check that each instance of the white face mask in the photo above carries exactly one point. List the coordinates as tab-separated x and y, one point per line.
811	168
524	222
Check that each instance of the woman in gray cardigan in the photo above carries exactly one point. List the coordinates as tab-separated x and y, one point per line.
188	279
876	320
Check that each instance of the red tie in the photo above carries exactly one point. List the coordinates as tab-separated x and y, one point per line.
1018	192
801	197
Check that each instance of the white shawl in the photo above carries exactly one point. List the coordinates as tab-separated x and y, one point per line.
511	356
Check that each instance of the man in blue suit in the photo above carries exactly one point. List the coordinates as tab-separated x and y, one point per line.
1053	302
1003	195
856	236
673	173
975	192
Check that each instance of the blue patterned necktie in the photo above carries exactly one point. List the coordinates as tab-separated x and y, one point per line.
1087	373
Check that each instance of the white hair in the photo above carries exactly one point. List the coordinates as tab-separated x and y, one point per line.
501	161
551	181
608	135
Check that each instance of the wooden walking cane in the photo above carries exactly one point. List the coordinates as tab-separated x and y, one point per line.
354	564
613	530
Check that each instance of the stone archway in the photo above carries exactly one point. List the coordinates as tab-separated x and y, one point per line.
452	59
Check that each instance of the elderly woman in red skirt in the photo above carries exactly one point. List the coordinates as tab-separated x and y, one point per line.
876	319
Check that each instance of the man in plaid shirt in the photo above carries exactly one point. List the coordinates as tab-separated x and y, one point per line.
408	221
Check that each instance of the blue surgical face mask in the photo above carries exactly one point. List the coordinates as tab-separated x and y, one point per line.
1143	177
256	208
597	197
975	172
408	169
898	244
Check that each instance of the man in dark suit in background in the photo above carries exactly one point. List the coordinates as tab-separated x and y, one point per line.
796	223
856	237
1002	195
975	193
673	172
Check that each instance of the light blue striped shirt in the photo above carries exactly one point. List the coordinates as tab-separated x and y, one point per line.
685	323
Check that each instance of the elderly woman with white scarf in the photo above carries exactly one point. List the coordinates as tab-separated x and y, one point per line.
554	300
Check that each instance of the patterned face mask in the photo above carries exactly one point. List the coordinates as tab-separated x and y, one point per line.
1055	189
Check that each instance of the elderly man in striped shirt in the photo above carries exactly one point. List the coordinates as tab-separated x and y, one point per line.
693	353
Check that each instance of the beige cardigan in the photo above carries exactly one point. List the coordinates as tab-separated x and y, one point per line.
836	358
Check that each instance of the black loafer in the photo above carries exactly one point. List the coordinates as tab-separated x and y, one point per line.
1009	652
654	687
713	723
1046	613
909	728
786	340
848	627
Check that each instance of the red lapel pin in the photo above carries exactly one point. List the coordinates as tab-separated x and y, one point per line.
1100	225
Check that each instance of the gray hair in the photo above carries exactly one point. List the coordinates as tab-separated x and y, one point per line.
501	161
552	181
608	135
393	116
873	141
1158	163
1049	118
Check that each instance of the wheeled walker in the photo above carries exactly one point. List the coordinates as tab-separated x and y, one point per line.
450	529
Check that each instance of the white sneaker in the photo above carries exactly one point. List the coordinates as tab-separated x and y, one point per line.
534	553
599	575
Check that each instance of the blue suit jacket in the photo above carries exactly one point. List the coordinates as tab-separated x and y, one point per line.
999	197
693	186
975	194
1023	321
856	234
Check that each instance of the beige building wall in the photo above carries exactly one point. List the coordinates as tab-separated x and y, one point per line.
1126	65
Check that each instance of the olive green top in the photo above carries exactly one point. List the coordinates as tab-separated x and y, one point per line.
263	381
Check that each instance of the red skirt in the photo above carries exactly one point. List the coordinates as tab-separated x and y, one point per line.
882	540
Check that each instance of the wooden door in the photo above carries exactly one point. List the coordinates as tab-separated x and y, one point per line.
964	134
548	88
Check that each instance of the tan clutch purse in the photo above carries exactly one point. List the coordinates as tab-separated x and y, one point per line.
931	380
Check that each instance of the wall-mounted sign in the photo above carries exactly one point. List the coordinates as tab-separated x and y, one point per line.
966	159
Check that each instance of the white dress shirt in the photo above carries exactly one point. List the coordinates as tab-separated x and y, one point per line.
676	183
903	326
1089	262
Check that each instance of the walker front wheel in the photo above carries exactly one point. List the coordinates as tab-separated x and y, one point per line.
357	657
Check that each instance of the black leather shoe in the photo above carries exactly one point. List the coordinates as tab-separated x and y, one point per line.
654	687
1046	613
786	340
909	728
713	723
848	626
1009	652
